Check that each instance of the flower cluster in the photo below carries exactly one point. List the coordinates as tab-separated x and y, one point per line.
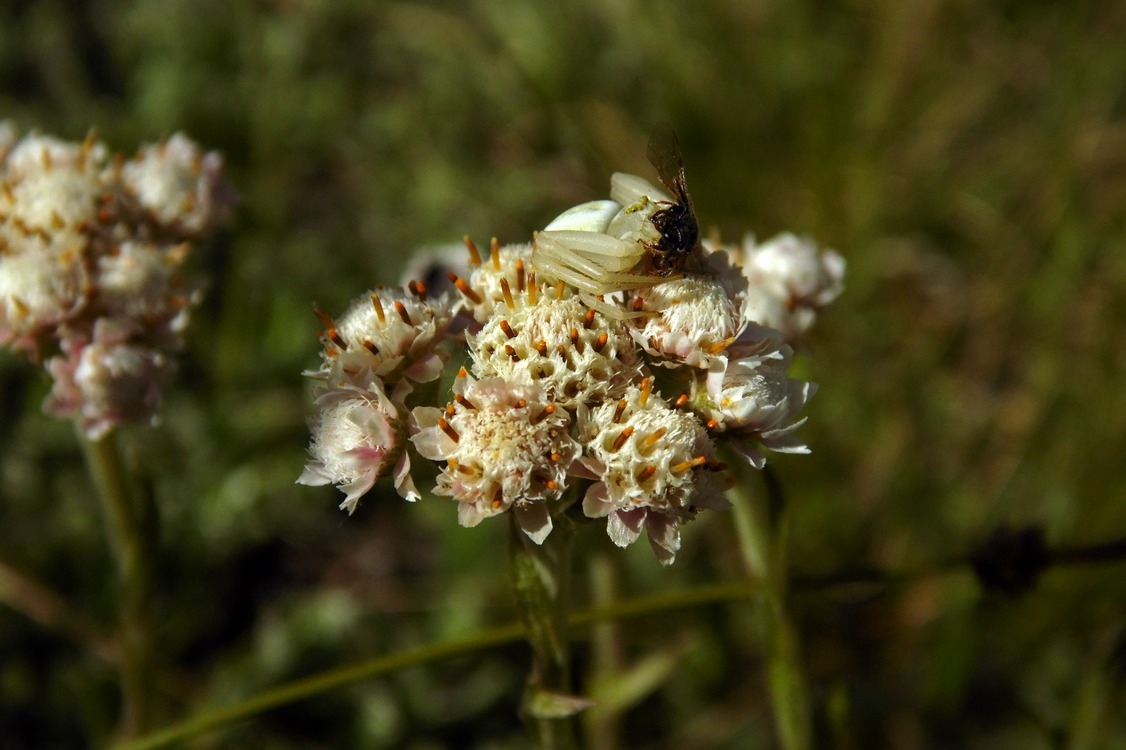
618	404
91	247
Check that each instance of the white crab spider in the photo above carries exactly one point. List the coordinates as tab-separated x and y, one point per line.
597	247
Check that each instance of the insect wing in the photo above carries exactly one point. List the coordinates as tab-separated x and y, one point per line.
664	154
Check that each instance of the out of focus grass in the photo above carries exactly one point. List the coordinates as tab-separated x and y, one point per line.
969	160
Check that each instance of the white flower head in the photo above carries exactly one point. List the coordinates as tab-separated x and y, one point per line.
506	446
358	436
501	280
41	285
180	185
790	279
753	402
654	467
84	274
388	334
575	354
108	381
692	320
142	281
56	199
567	336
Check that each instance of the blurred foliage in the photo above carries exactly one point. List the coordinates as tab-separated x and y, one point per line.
969	159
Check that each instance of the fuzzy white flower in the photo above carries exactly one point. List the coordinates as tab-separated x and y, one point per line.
38	290
753	402
108	381
50	200
693	320
654	465
575	354
180	185
566	336
505	446
800	278
504	277
387	334
358	436
141	280
85	271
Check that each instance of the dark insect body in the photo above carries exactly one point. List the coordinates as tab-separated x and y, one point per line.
676	222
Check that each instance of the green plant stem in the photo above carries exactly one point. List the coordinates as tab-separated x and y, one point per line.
762	531
324	682
541	582
130	528
601	724
697	596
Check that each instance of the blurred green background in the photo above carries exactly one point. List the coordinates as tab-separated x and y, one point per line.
967	158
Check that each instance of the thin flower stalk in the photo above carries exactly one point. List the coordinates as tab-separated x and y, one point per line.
761	528
130	519
541	581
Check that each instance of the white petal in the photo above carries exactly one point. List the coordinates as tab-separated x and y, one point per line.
426	369
404	485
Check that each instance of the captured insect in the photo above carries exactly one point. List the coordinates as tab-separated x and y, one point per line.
637	239
676	220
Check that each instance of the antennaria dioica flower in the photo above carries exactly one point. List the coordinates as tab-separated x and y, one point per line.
597	384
